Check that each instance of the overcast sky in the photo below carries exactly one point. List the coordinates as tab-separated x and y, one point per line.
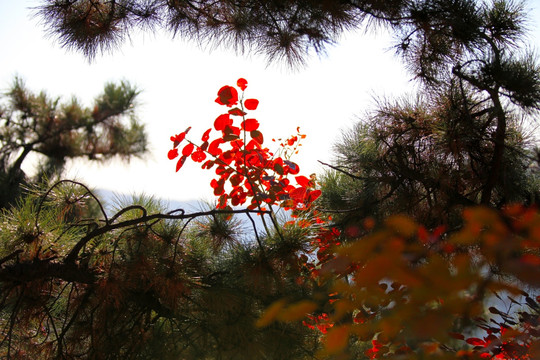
179	81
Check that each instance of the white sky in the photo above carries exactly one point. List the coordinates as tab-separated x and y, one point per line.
180	80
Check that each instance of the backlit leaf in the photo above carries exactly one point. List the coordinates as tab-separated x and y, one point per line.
297	311
250	125
251	104
402	225
172	154
188	149
180	162
242	83
257	135
237	112
270	314
336	339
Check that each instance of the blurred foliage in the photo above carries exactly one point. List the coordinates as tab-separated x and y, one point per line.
413	294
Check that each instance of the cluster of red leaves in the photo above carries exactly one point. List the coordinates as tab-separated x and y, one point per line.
508	339
320	322
246	171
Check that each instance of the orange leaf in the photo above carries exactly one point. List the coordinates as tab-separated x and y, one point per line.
270	314
336	339
402	225
297	311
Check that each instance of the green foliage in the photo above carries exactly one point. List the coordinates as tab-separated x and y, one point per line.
38	124
76	281
280	29
428	158
461	140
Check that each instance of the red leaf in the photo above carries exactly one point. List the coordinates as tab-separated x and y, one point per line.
298	194
228	96
206	135
188	149
476	341
177	139
231	133
242	83
198	156
219	190
180	163
257	136
251	104
237	112
313	195
302	181
438	231
292	140
236	179
222	121
250	125
214	149
278	166
230	137
423	234
530	259
172	154
457	336
208	164
292	168
231	130
222	204
252	144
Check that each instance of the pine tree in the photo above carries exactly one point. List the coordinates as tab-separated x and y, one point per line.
141	283
58	131
280	29
463	139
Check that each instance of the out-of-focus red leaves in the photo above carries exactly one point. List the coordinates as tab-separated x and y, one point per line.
298	194
475	341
